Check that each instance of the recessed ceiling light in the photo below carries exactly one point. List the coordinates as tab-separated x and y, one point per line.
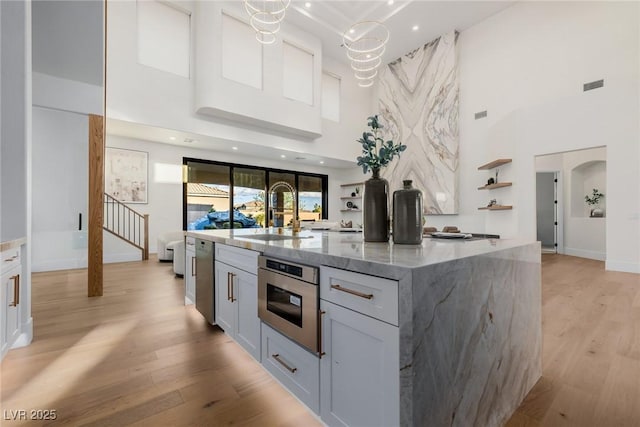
173	138
351	31
234	148
390	2
283	156
307	5
322	162
415	28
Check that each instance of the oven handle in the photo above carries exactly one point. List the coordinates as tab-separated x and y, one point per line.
320	337
352	292
283	363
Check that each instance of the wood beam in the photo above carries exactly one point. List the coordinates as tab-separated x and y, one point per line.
96	195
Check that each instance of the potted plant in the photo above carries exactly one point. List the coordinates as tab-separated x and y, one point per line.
594	200
376	154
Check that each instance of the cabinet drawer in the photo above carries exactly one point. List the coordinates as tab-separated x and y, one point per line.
295	368
373	296
244	259
10	258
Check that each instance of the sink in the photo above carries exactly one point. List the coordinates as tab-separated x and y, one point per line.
271	237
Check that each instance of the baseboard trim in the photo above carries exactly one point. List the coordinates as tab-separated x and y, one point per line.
72	264
582	253
623	266
26	335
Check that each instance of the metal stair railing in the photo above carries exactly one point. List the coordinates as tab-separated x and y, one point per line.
127	224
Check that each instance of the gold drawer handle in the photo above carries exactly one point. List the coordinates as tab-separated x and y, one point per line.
16	290
282	362
352	292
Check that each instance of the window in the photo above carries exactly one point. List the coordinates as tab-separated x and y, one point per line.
213	189
241	53
164	37
297	78
330	97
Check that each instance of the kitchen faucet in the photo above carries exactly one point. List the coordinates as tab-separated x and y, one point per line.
295	224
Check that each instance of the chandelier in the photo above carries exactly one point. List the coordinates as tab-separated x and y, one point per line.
265	17
365	43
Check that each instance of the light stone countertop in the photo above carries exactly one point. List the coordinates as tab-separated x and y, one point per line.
10	244
321	247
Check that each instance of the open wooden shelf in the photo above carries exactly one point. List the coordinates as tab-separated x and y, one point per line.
350	197
496	208
498	185
350	210
352	185
494	164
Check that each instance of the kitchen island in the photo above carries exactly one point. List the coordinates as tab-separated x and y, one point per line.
468	317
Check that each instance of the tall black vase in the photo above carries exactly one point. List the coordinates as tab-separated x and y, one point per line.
376	208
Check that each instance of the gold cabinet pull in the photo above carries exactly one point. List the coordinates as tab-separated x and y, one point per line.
16	290
352	292
233	297
320	338
193	266
230	277
283	363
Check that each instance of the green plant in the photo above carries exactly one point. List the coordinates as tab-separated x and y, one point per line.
376	153
596	195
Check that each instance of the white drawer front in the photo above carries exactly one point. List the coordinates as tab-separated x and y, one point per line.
10	258
296	368
373	296
244	259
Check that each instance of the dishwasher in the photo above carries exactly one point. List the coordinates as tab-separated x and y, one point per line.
205	302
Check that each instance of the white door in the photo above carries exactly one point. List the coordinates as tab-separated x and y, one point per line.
225	305
248	323
360	373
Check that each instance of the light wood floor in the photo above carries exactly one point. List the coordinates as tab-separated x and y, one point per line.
137	356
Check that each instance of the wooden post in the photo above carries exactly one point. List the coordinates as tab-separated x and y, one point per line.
96	201
145	254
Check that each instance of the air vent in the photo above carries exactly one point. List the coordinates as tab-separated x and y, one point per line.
593	85
481	115
189	140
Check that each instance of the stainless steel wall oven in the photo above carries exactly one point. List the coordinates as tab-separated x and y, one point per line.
288	297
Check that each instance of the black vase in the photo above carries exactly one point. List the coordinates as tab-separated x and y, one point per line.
407	215
376	208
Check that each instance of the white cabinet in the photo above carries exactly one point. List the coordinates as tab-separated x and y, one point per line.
359	373
190	271
360	370
237	297
296	368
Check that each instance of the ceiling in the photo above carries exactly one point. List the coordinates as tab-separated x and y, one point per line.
328	20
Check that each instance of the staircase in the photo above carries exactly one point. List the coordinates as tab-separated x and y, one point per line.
127	224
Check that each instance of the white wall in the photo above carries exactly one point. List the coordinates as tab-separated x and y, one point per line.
145	95
165	192
526	67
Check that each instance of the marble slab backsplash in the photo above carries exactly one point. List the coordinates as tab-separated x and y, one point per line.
418	100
